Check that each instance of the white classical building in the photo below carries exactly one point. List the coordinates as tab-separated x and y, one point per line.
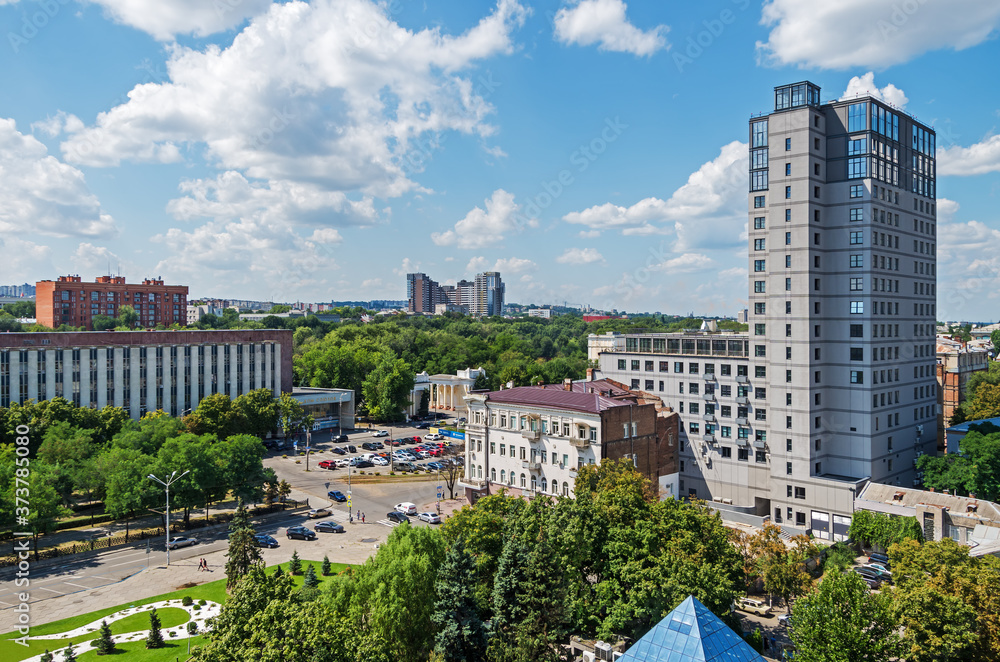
447	392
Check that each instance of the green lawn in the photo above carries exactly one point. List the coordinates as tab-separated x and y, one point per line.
169	617
136	652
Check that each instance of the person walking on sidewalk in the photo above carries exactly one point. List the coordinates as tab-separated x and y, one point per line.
362	518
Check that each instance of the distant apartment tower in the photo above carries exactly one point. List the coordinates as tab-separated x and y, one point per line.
69	300
423	294
489	295
833	385
956	363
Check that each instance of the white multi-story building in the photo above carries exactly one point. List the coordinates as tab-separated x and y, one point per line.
531	440
839	385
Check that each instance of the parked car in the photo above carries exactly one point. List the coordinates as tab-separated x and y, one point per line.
785	619
339	439
380	461
873	584
433	436
406	507
339	451
343	462
870	578
435	452
423	455
380	433
300	532
178	542
417	440
430	518
328	464
405	466
422	426
879	557
262	540
753	606
397	517
368	446
330	527
881	567
352	449
316	513
337	495
435	466
364	464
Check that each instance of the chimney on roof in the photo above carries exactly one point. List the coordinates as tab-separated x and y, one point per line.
590	374
568	384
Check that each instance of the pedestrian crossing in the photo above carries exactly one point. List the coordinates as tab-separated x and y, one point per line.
389	523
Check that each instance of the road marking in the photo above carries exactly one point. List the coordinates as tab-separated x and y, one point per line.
45	588
74	584
386	522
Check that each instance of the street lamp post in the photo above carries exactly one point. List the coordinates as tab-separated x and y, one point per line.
166	484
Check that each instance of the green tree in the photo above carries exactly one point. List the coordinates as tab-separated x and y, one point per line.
46	656
148	434
508	608
399	579
291	416
974	469
985	403
843	622
546	618
155	637
192	454
387	388
881	530
45	501
255	413
214	415
128	489
105	643
240	459
423	409
243	554
325	567
995	340
69	655
127	317
20	309
461	633
310	580
103	323
295	564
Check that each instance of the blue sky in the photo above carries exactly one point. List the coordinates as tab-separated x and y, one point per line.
592	151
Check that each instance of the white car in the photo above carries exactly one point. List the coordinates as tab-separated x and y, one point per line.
433	436
177	543
406	508
379	461
380	433
430	518
342	462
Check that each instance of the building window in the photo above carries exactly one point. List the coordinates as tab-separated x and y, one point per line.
758	329
758	286
621	364
857	353
758	201
742	454
760	457
857	261
758	223
857	214
857	284
857	237
759	265
635	364
788	284
800	493
788	144
857	191
758	244
857	377
788	192
788	468
857	307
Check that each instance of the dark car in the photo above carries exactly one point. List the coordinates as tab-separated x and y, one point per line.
262	540
422	426
405	466
368	446
364	464
352	449
339	451
329	527
337	495
300	532
878	557
397	517
339	439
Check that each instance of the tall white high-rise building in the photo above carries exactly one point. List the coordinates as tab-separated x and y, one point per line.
835	384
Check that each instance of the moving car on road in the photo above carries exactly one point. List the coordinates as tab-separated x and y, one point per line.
300	533
319	512
430	518
329	527
395	516
380	433
177	543
407	508
337	495
262	540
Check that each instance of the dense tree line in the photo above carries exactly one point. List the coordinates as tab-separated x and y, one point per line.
975	469
81	455
374	358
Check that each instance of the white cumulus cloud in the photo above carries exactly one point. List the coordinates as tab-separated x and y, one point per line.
580	256
870	33
163	19
486	227
41	194
603	22
865	86
977	159
332	93
686	263
709	210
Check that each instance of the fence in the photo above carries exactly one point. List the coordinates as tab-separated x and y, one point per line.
107	542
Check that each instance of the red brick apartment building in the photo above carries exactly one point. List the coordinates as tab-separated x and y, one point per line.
71	301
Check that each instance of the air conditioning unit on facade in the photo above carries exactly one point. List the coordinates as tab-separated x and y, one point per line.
602	651
588	656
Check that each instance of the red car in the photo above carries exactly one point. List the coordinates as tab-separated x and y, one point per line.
327	464
416	440
435	452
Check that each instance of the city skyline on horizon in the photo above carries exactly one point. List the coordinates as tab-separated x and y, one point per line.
591	151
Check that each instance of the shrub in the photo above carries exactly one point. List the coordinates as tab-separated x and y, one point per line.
202	603
187	600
